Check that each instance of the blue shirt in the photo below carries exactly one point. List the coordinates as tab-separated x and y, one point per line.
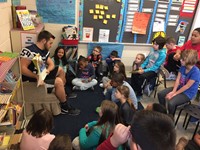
193	74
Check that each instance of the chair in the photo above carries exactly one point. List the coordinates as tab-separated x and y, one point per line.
193	111
37	98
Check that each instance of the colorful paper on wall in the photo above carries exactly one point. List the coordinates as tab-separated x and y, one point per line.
140	23
87	34
181	26
188	8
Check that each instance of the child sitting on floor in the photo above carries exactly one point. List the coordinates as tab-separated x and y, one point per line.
37	133
85	75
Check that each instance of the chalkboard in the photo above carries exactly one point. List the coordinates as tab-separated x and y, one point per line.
171	12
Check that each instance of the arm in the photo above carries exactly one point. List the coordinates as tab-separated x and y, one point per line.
24	67
50	64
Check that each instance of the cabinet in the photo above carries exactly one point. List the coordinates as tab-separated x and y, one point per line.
11	99
21	38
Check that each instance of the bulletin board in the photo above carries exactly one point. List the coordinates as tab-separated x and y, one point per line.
174	17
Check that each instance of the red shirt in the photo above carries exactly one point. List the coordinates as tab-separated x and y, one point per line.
169	52
106	145
188	45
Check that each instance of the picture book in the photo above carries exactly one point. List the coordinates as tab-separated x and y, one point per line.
25	19
41	68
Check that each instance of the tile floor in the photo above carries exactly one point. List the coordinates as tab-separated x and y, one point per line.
179	129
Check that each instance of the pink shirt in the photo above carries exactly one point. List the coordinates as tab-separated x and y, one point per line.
29	142
188	45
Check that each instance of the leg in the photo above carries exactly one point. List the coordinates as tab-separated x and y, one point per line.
176	101
61	74
172	65
60	90
136	84
162	94
88	85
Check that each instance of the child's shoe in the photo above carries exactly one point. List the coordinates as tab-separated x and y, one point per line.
172	76
101	85
76	88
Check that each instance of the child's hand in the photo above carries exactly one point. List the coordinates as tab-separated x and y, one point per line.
89	79
140	71
86	127
170	95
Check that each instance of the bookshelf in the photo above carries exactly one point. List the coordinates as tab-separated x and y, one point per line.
11	99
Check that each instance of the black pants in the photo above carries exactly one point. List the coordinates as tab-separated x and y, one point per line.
172	65
137	81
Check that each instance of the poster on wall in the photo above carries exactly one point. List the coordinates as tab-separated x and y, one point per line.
57	11
104	35
87	34
188	7
28	39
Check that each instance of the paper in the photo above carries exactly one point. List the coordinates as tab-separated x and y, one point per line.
181	26
107	16
91	11
181	40
106	7
28	39
97	11
105	21
100	17
118	1
188	8
104	35
95	17
102	12
113	16
140	22
158	26
101	6
97	6
87	34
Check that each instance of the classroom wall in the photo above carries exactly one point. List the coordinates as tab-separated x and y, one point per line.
5	25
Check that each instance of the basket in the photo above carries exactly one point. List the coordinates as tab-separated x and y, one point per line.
69	42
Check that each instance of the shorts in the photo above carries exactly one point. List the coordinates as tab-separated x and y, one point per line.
50	78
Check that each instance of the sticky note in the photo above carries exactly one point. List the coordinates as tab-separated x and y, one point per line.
105	21
95	17
100	17
97	11
97	6
91	11
118	1
101	6
102	12
113	16
106	7
107	16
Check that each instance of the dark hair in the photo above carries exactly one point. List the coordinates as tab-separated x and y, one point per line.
121	68
99	48
197	29
190	57
45	35
118	78
109	114
170	40
114	53
152	130
56	59
126	92
61	142
160	41
159	108
41	123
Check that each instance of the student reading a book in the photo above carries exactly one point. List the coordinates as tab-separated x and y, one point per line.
55	76
37	133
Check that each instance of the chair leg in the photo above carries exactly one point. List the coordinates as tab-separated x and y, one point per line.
187	122
185	119
195	130
178	117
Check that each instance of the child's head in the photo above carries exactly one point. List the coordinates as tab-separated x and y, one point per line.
195	38
158	43
157	107
114	54
122	92
82	62
97	50
108	112
40	124
117	79
59	52
139	58
61	142
170	43
119	68
189	57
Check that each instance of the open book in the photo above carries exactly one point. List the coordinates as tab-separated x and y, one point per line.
41	68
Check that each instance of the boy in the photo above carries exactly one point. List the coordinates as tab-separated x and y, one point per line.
95	59
170	64
149	67
111	59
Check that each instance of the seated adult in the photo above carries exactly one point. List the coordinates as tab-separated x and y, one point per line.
55	74
149	130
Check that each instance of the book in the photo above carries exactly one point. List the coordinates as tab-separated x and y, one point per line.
41	68
25	19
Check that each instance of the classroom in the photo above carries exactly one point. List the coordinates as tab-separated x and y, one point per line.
117	31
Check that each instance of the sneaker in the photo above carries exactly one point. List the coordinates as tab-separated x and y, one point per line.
172	76
72	95
49	85
101	85
147	90
67	109
76	88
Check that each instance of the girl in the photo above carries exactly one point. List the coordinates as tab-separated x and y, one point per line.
85	75
37	133
137	62
186	84
94	133
127	108
59	58
118	68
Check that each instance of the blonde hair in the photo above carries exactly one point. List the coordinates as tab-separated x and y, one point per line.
190	57
142	56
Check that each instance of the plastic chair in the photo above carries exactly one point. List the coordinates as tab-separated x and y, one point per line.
193	111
